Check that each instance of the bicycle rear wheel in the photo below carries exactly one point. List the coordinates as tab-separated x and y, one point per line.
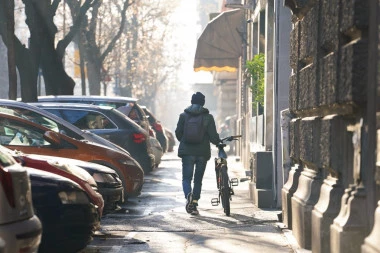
225	192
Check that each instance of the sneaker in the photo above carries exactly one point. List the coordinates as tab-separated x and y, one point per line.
195	210
189	203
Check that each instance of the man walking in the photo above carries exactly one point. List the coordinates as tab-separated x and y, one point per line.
195	130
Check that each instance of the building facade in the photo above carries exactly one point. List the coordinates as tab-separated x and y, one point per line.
323	147
331	195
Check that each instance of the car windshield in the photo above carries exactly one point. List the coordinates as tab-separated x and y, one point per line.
39	119
83	119
18	134
31	116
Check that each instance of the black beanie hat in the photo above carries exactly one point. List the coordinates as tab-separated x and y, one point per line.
198	98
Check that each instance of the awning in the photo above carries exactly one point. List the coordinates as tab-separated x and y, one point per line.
220	44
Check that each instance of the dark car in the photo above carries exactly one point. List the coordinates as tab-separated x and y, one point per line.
65	211
72	172
158	128
126	105
108	181
110	124
31	138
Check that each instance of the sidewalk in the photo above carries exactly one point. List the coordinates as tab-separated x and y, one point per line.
266	218
264	214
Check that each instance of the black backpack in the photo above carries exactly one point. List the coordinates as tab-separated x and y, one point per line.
193	131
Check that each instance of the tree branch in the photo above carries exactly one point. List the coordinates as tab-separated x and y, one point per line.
111	45
74	29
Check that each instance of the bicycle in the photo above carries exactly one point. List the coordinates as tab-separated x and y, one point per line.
223	182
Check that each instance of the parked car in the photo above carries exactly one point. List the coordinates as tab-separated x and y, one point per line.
67	214
107	180
31	138
126	105
70	171
20	228
110	124
171	139
157	150
52	122
158	128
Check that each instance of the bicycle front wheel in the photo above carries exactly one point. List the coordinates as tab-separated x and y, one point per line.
225	192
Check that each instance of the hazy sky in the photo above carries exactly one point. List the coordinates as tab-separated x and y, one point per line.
188	30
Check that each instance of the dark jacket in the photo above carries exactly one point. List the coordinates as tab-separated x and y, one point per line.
203	148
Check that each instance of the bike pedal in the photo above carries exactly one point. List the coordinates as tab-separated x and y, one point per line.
234	182
214	201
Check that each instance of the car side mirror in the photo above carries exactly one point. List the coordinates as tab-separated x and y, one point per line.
52	137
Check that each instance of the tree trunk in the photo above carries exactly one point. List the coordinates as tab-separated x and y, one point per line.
82	64
12	94
57	82
94	77
28	71
28	79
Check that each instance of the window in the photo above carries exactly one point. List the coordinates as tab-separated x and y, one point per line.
40	119
15	133
84	119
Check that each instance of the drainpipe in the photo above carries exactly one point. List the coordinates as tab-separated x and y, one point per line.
275	101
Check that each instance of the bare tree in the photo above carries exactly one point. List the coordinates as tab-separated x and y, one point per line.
148	68
41	51
11	50
57	81
102	32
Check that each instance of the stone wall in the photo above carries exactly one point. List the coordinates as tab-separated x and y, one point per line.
327	97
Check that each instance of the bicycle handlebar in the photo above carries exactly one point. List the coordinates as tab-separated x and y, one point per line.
230	138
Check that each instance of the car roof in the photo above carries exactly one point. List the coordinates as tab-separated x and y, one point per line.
88	98
71	105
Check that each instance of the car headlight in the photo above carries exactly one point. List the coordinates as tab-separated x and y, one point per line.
128	162
104	178
74	197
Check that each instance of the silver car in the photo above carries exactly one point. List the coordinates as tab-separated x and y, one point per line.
19	228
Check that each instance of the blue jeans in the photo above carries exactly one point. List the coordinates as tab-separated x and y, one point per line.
188	163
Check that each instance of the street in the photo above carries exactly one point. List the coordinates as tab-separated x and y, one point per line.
157	221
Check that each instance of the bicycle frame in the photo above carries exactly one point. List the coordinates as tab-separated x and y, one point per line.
224	184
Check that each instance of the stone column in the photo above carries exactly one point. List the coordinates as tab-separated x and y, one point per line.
372	242
324	213
287	193
303	202
348	231
292	183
